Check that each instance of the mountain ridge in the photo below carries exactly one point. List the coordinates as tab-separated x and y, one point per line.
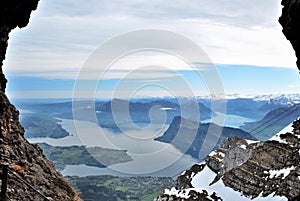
188	136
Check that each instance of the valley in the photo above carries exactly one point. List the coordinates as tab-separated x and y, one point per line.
112	152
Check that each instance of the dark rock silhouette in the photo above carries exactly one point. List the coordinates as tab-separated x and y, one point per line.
26	161
13	13
290	21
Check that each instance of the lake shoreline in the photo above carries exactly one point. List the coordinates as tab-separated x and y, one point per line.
150	158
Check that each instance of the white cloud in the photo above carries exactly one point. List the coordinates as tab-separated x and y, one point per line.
227	44
99	94
237	12
62	34
294	86
39	94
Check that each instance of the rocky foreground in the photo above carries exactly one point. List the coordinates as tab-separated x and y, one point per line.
244	170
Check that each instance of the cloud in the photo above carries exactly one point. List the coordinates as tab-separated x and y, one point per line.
62	34
294	86
143	75
236	12
138	65
39	94
98	94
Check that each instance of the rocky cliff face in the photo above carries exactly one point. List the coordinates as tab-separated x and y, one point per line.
26	161
254	169
290	21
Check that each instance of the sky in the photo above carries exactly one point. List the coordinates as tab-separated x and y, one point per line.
241	40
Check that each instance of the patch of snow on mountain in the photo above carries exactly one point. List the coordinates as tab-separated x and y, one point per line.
177	193
276	137
285	172
289	128
251	141
243	146
280	98
203	179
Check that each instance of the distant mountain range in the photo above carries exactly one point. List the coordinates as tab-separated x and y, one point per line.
124	111
188	136
143	111
280	98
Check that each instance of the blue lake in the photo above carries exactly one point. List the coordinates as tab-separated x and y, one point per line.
150	157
